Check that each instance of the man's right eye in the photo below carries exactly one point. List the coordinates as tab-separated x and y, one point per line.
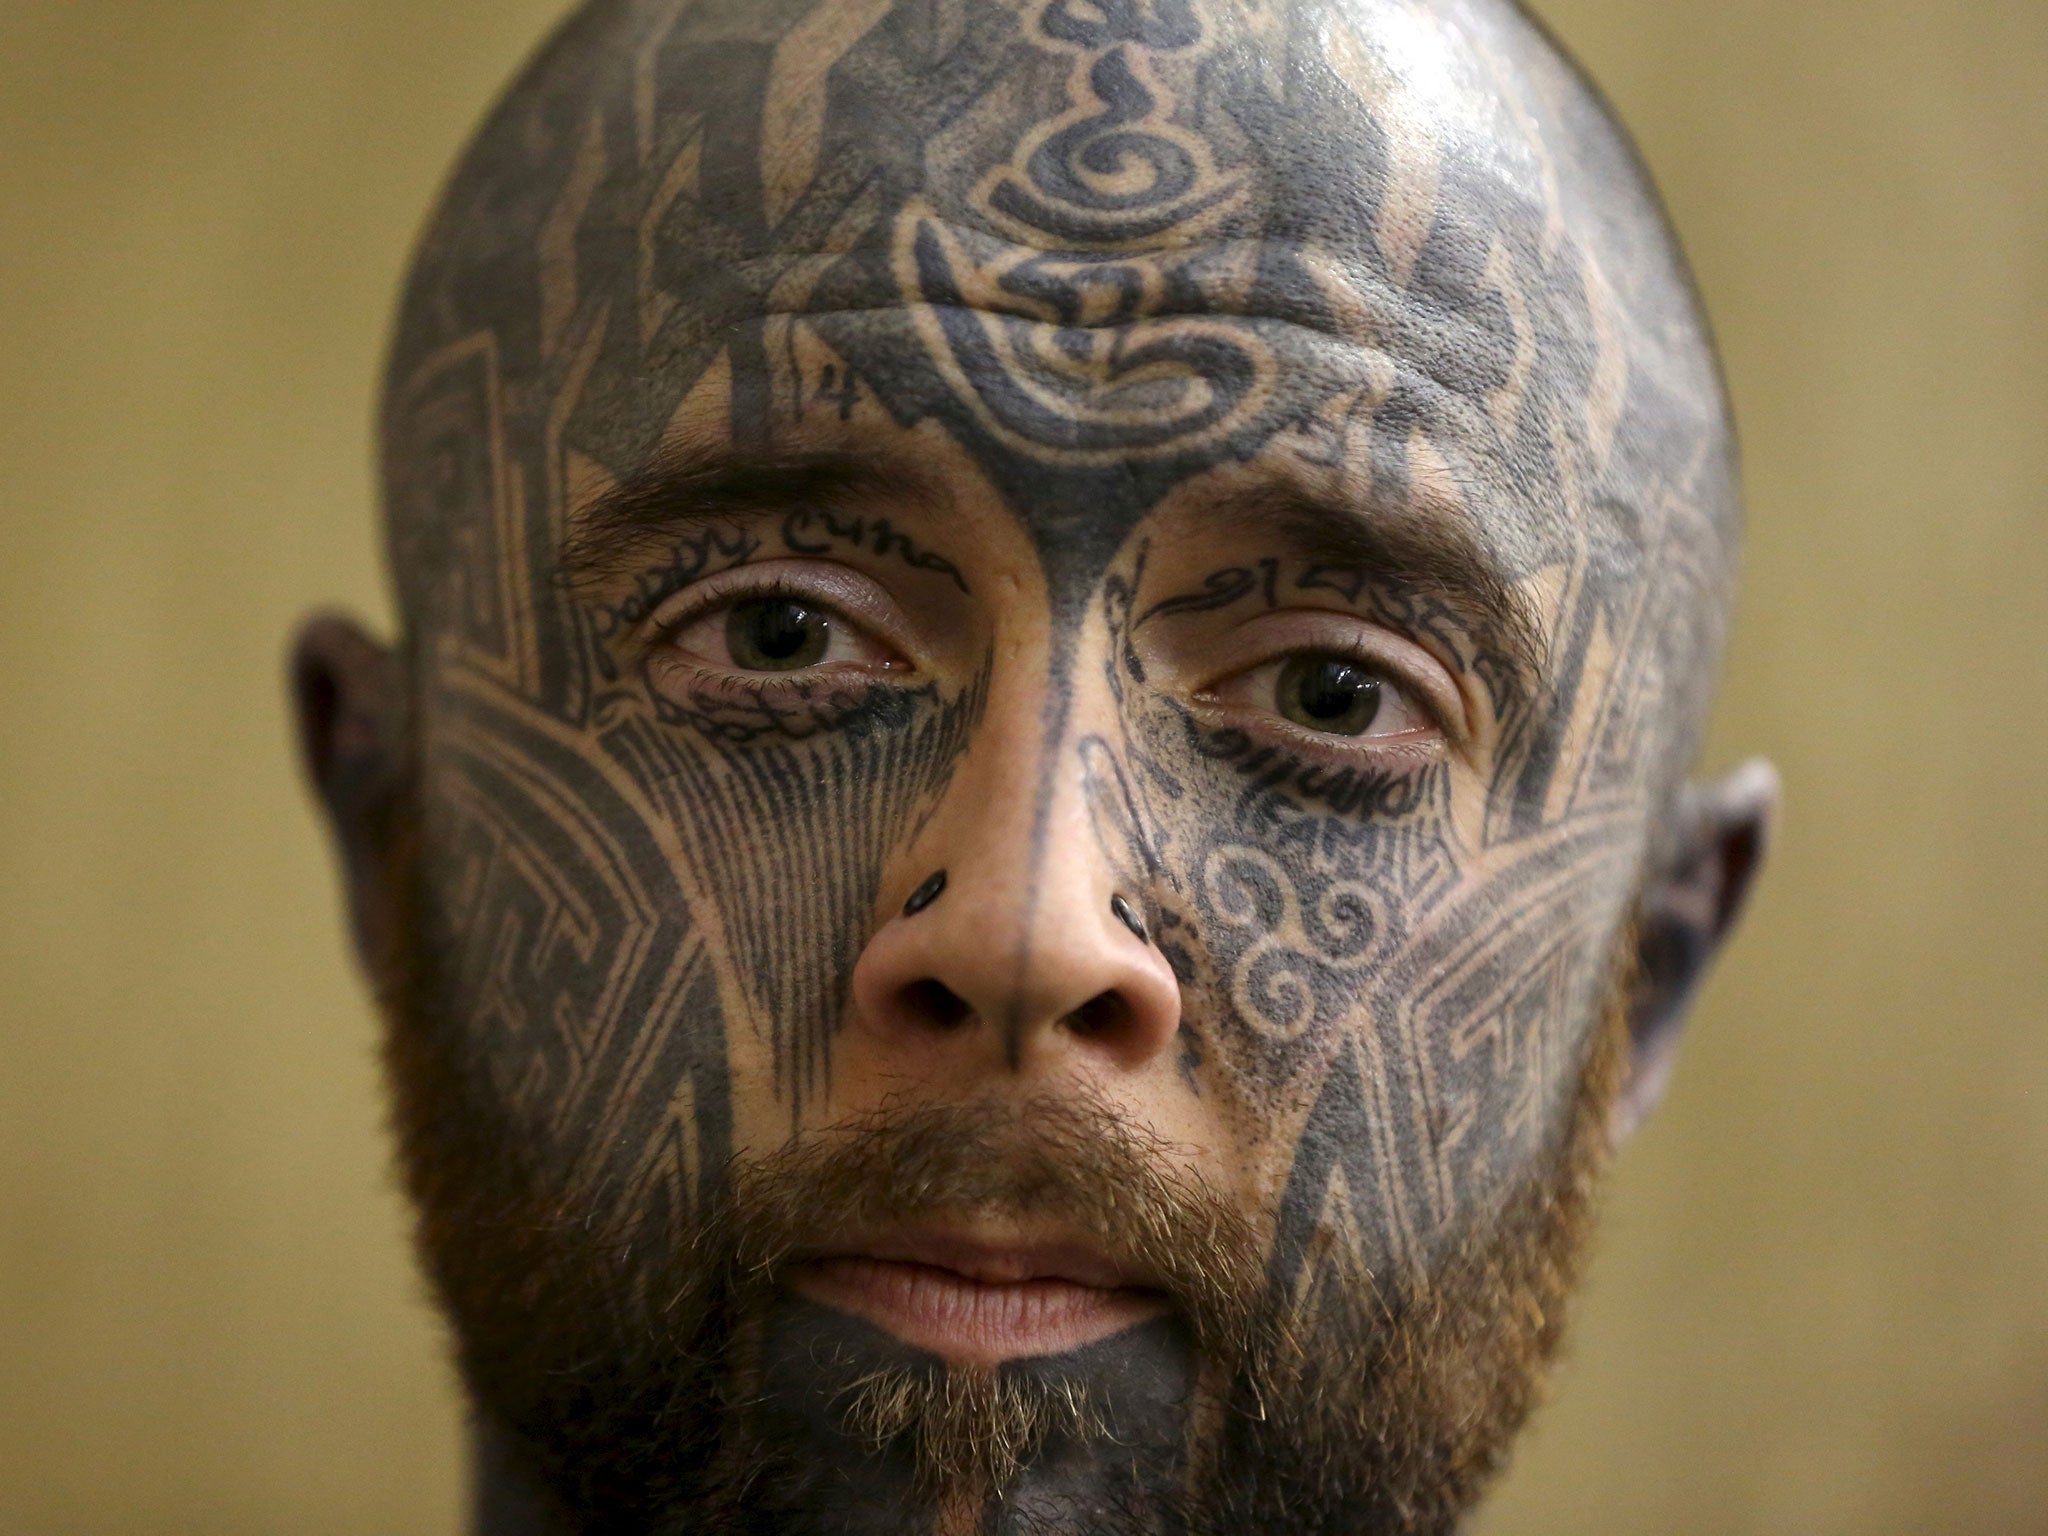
778	633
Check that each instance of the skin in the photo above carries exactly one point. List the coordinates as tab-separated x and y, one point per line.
1090	358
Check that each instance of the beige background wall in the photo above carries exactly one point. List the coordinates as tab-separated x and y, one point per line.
1821	1300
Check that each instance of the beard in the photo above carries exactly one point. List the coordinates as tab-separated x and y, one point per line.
657	1376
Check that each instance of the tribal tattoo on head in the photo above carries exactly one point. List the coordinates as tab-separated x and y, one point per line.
1080	620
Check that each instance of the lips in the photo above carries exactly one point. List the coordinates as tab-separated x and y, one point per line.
975	1301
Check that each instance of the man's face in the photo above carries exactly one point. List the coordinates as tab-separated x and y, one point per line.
1043	663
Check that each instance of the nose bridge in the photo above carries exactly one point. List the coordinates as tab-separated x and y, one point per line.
1015	932
1019	868
991	815
1064	882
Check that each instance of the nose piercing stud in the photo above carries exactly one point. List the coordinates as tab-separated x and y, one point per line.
925	894
1126	914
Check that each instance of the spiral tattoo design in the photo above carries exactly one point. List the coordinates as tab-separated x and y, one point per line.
1077	330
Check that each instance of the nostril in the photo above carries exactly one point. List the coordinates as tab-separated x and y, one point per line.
932	1002
1106	1013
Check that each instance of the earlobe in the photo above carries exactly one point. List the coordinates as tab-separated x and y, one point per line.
349	705
1686	913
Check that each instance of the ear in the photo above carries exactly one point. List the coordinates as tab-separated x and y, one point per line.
1687	911
350	706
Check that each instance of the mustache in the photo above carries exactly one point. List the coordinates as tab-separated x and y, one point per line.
1074	1160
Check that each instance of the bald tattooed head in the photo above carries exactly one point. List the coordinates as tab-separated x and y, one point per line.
1030	832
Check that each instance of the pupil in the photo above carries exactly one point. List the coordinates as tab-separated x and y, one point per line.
775	634
1332	692
780	632
1330	695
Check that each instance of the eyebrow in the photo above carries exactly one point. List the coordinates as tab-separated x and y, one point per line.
1434	554
688	488
685	489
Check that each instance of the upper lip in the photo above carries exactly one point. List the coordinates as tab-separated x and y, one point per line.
989	1259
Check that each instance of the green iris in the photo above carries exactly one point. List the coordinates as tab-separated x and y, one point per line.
1327	693
776	634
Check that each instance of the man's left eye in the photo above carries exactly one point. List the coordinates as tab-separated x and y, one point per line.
777	633
1332	695
1327	693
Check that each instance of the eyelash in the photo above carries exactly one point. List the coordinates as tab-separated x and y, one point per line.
730	594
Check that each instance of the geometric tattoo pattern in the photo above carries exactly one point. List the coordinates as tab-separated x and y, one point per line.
1103	247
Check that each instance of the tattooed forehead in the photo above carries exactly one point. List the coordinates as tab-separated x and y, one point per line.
1104	244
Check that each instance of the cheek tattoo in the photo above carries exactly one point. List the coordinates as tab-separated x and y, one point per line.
1089	267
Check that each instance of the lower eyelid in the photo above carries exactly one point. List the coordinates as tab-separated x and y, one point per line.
728	687
1413	736
1425	735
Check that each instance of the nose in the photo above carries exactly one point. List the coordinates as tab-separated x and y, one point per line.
1015	939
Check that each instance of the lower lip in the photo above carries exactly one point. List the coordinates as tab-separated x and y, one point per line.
973	1322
